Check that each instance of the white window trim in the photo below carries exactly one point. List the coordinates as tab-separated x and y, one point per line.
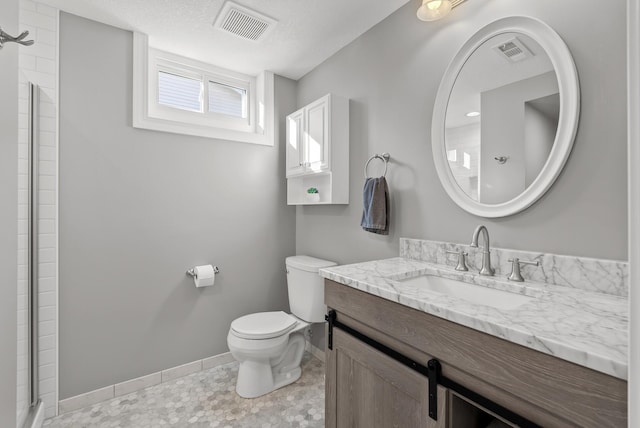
148	114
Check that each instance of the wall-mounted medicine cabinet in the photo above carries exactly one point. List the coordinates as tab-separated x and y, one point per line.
317	153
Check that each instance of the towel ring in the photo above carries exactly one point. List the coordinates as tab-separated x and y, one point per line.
383	157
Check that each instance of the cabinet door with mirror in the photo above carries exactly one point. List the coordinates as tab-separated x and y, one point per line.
505	117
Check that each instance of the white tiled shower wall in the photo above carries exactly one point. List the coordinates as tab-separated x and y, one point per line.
38	64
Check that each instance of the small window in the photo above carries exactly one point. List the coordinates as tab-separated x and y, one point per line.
189	92
228	100
179	92
172	93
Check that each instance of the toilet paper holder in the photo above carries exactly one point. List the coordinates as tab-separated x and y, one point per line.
191	272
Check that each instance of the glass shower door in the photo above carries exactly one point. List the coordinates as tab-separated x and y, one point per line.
27	374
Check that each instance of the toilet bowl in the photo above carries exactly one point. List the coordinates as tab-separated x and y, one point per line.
269	345
269	354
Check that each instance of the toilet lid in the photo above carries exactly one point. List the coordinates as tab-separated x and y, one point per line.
263	325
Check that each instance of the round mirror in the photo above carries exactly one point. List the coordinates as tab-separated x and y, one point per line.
505	117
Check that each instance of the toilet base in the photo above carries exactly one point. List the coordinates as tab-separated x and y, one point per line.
258	377
254	379
285	379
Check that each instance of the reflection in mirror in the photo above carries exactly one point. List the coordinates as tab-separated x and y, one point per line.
502	118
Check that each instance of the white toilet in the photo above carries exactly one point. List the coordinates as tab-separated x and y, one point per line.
269	345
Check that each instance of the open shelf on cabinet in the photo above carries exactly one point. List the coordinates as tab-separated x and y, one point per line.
297	190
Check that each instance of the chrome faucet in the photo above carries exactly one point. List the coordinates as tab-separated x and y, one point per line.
486	269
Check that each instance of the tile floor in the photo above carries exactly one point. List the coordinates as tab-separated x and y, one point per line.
208	399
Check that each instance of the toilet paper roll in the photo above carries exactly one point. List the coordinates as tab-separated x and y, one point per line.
204	276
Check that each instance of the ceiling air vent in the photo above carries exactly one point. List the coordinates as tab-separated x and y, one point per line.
513	50
243	22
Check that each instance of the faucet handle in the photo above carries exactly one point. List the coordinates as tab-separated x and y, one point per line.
515	268
462	261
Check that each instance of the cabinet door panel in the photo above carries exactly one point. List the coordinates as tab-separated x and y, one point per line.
295	144
373	390
317	138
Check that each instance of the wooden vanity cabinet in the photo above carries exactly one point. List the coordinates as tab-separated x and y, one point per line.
370	389
366	388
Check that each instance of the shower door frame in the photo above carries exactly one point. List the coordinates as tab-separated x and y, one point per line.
33	245
35	412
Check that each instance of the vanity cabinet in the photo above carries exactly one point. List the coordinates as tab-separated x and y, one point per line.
317	152
367	388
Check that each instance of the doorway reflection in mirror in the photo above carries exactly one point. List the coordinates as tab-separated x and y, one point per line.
516	92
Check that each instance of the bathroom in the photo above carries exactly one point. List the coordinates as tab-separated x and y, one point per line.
125	211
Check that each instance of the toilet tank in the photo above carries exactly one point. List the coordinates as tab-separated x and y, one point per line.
306	287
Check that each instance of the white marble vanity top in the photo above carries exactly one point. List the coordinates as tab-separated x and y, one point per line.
584	327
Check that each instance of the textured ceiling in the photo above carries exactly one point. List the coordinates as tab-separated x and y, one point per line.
307	33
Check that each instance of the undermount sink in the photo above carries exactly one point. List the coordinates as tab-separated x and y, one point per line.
478	294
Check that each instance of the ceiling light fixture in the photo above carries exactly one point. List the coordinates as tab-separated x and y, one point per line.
432	10
473	114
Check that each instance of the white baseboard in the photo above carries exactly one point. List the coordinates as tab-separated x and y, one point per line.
123	388
316	352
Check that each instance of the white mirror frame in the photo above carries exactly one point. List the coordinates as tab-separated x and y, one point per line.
569	88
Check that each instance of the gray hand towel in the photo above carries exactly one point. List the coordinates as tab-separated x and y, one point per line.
375	215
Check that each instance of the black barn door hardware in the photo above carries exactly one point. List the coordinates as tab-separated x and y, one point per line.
432	371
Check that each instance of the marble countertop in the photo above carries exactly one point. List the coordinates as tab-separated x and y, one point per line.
583	327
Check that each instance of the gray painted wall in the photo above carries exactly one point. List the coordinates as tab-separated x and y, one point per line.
503	132
8	217
138	208
392	73
540	128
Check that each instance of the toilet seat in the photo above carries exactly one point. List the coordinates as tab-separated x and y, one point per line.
263	325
